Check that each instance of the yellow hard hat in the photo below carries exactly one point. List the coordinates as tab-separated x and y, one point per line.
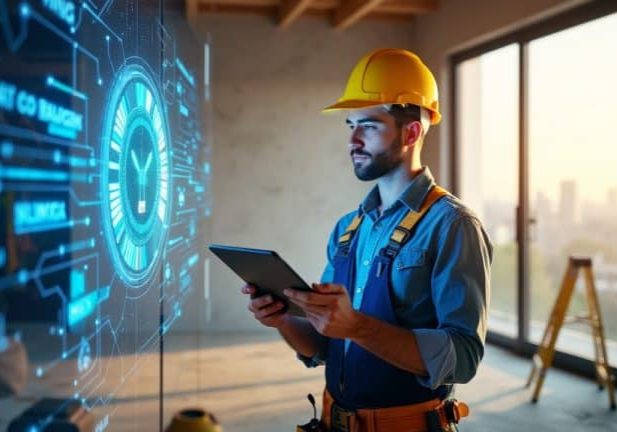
390	76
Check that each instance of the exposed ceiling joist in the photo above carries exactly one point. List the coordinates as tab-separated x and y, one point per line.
409	7
291	11
343	13
353	10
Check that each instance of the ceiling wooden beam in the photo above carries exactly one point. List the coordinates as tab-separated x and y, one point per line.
411	7
192	9
291	11
353	10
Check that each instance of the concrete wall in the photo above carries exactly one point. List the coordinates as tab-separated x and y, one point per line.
281	170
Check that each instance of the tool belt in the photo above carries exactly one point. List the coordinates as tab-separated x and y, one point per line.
431	416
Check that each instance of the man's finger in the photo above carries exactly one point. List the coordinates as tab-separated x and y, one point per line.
328	288
308	297
248	289
308	307
263	301
272	309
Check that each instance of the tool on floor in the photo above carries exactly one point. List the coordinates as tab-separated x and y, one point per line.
194	420
314	425
546	350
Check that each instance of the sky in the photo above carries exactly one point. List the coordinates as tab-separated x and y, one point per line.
572	113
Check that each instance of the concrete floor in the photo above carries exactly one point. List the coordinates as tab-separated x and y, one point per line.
253	383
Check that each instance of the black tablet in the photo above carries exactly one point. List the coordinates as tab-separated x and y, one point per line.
263	268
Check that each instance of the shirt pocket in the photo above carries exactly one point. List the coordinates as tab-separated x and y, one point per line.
409	258
411	279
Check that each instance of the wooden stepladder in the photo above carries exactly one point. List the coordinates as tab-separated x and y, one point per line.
543	359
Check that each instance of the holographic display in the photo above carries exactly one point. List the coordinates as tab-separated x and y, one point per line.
104	188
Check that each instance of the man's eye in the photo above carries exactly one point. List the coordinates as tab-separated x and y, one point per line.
370	127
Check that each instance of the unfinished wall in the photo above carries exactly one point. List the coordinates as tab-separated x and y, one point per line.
281	172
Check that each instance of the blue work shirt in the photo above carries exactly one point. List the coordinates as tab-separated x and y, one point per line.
440	279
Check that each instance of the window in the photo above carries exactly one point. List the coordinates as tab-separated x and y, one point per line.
536	159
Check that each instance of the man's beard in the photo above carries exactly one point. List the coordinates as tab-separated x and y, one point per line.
379	164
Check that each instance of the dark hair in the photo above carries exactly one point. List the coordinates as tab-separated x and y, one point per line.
404	113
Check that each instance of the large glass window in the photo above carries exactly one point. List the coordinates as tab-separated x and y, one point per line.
558	176
572	172
487	116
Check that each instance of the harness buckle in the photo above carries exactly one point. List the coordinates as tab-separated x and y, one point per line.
341	419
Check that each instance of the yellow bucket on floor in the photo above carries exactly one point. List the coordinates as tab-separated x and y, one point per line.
194	420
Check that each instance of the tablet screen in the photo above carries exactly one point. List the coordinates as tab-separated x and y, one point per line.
263	268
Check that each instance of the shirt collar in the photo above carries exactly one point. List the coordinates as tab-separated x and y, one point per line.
413	196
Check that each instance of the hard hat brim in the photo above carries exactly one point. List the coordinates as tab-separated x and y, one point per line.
349	105
360	104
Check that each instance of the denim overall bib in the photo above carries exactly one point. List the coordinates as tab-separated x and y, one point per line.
357	378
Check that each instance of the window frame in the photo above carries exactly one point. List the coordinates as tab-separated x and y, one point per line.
522	38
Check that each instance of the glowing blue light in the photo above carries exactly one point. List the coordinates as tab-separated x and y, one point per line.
34	428
107	38
60	331
100	81
22	276
84	359
36	216
24	9
2	256
61	131
78	283
57	156
7	149
193	260
72	30
62	249
64	355
135	175
87	221
79	309
39	372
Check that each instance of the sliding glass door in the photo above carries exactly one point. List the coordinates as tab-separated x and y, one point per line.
488	159
573	172
535	155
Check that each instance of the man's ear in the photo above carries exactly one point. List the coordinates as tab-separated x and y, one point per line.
412	133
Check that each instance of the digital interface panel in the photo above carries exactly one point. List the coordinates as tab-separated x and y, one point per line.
104	186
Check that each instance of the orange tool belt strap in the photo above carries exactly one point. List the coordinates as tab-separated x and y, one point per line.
406	418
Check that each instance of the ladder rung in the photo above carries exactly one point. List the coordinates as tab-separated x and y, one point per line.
577	319
581	261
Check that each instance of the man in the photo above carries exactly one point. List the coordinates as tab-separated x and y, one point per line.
400	314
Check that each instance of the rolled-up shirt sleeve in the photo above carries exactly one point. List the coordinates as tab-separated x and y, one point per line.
460	292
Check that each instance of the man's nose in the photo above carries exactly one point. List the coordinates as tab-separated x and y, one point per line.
355	141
